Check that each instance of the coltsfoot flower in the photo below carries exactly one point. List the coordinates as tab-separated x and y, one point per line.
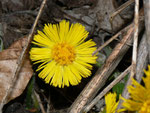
140	95
64	54
111	104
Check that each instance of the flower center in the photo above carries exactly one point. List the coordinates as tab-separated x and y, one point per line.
63	53
146	107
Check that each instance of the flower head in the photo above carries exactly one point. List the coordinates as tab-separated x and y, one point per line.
64	55
111	104
140	95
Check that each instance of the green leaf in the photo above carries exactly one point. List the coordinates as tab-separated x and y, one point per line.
101	59
108	50
118	88
28	100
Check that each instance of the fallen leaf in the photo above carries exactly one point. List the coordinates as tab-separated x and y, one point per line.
104	10
8	64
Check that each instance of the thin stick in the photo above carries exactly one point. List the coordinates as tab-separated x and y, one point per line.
96	99
135	42
121	8
147	24
1	35
142	58
106	43
110	40
40	102
125	93
21	58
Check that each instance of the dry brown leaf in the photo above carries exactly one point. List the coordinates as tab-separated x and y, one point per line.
8	64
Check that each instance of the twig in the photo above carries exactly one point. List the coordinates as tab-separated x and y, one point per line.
135	42
106	43
118	10
125	93
110	40
21	58
49	104
102	74
142	58
134	54
96	99
147	24
39	101
121	8
1	35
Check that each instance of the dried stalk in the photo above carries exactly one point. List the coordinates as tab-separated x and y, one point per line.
121	8
141	62
141	26
135	42
22	57
134	54
102	74
96	99
142	58
40	102
147	24
1	35
110	40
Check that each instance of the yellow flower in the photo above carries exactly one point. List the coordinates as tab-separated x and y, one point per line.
64	55
139	95
111	104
